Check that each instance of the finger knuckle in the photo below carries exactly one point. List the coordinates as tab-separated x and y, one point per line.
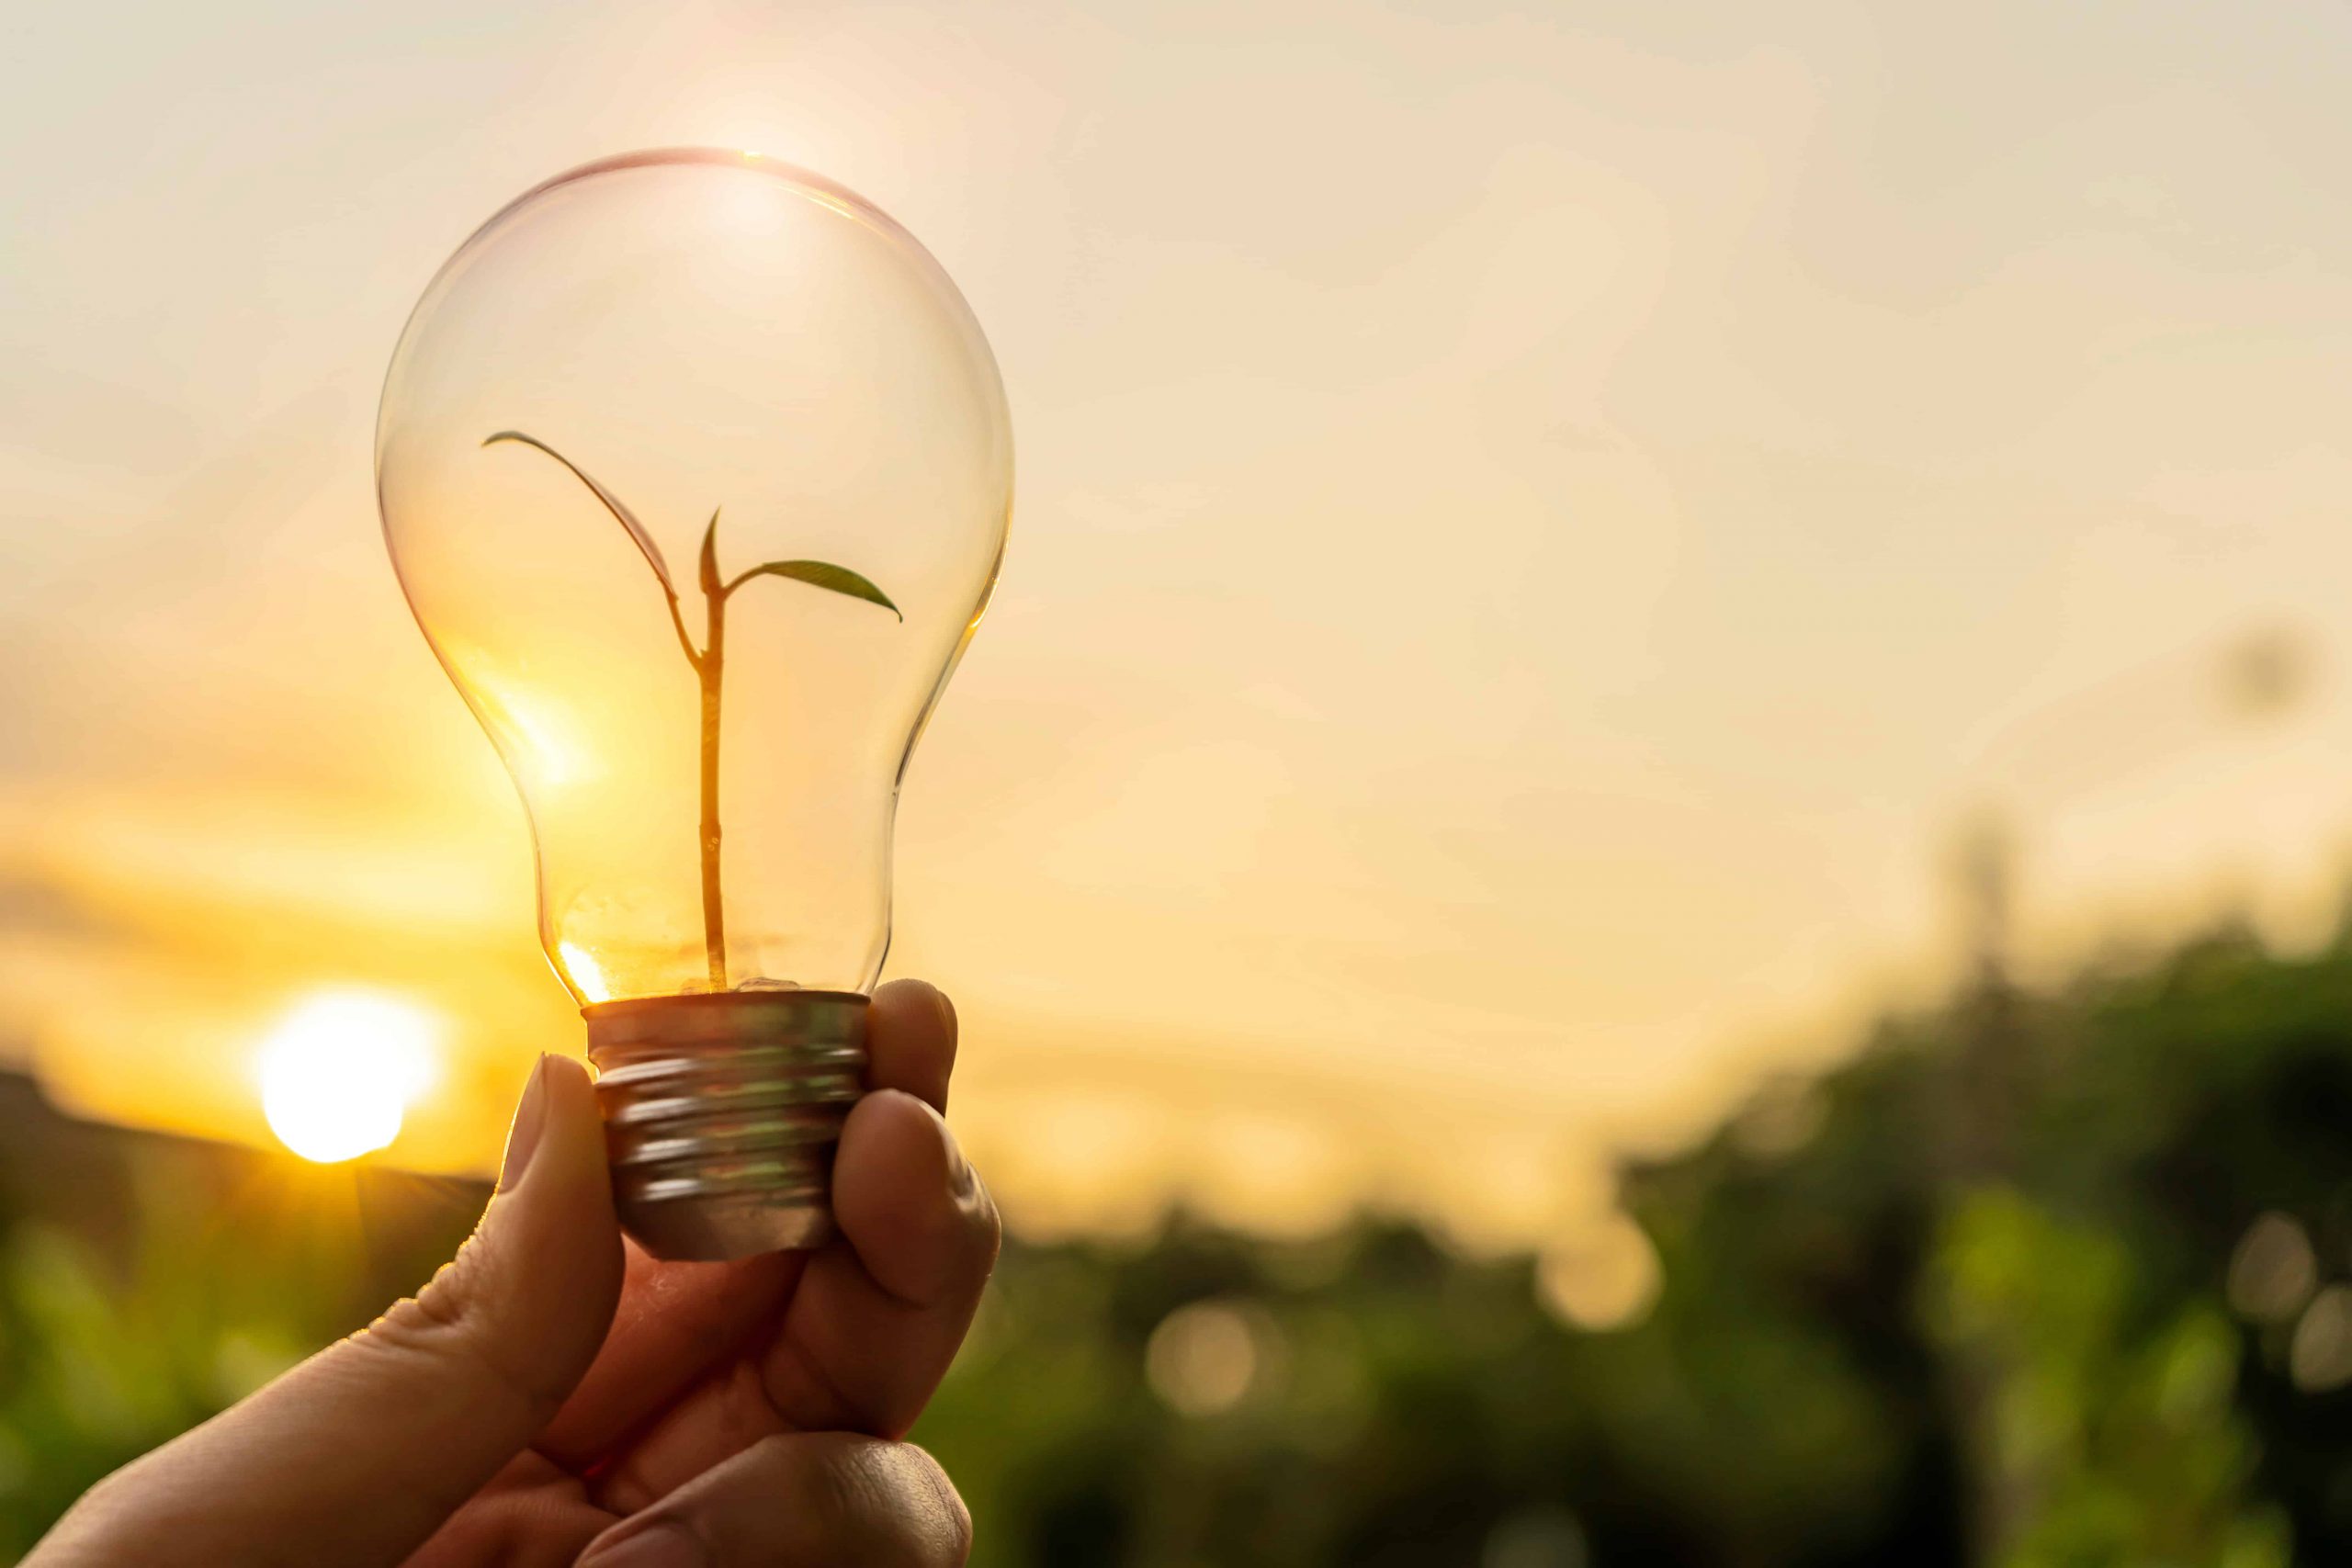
446	1322
892	1500
949	1539
842	1492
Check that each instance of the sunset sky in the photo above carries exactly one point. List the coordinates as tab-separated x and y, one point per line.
1535	525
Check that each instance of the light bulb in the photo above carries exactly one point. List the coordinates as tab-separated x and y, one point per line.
695	470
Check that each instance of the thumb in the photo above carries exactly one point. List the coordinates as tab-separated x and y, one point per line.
359	1454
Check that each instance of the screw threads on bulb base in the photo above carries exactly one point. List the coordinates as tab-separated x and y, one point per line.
721	1111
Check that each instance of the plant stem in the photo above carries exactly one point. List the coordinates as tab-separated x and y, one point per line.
711	669
710	663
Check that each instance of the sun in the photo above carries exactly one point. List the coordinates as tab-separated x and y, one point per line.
340	1070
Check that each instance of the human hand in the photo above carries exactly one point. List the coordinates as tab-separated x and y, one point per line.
555	1396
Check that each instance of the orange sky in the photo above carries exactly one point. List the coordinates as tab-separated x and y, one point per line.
1530	534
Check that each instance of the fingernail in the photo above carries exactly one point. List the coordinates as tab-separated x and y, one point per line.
662	1546
947	1010
530	1119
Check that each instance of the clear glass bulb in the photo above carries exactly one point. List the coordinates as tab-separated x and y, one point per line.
695	470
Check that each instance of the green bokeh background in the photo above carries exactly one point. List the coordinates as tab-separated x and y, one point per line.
2035	1279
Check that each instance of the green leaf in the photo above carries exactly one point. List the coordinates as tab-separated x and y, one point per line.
821	574
706	569
621	514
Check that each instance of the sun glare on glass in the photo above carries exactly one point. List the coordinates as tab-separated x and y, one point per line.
340	1070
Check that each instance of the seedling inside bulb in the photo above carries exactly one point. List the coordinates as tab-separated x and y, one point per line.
736	317
709	660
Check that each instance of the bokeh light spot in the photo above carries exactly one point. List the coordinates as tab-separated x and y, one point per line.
1536	1538
1605	1278
2320	1358
1203	1358
2273	1272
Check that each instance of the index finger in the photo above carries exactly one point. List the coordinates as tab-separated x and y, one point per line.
677	1321
911	1041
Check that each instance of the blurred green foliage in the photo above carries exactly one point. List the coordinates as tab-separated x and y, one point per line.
146	1282
2035	1280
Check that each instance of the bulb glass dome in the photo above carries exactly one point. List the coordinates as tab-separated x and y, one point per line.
695	470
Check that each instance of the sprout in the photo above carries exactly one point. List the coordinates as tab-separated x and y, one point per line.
710	661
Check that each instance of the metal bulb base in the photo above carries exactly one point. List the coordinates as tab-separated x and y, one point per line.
721	1111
